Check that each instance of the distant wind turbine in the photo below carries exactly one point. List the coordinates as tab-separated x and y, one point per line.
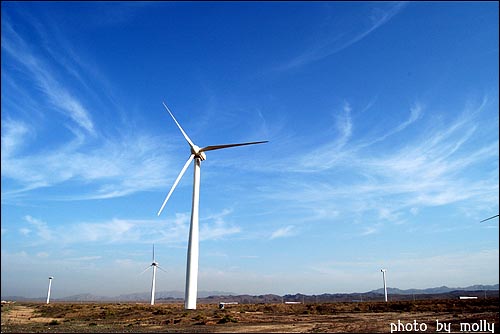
154	265
488	218
48	292
385	283
198	154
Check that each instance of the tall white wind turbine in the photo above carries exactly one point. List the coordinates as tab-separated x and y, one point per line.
198	154
385	283
155	265
48	292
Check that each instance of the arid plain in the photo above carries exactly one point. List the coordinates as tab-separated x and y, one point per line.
362	317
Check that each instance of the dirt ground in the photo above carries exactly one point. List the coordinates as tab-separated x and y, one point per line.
365	317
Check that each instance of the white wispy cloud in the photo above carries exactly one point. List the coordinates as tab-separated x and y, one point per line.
344	126
107	166
217	215
42	229
115	168
85	258
330	153
369	230
415	114
116	229
433	166
339	39
174	231
24	231
13	133
218	229
215	226
283	232
42	254
59	96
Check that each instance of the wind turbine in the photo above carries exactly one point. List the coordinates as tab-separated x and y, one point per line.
198	154
48	292
154	265
385	284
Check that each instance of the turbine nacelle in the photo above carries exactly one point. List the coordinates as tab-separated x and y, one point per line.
198	153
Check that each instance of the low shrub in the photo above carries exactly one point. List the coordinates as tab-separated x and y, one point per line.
227	318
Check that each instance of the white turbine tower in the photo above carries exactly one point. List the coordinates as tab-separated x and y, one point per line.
198	154
385	283
155	265
48	292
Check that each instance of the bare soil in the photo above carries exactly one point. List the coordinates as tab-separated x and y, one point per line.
363	317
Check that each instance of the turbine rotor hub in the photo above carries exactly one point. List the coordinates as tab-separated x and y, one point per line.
196	151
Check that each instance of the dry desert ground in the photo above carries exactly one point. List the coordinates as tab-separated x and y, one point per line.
362	317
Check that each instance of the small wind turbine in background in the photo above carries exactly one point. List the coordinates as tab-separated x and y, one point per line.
488	218
385	283
48	292
154	265
198	154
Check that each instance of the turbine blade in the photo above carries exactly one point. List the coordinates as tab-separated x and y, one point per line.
488	218
153	252
157	266
218	147
179	126
176	181
144	270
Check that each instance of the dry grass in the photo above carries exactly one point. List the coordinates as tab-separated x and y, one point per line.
323	317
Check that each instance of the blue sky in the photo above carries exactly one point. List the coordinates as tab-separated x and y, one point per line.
382	121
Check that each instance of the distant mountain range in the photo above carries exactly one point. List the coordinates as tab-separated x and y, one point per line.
441	289
131	297
217	296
